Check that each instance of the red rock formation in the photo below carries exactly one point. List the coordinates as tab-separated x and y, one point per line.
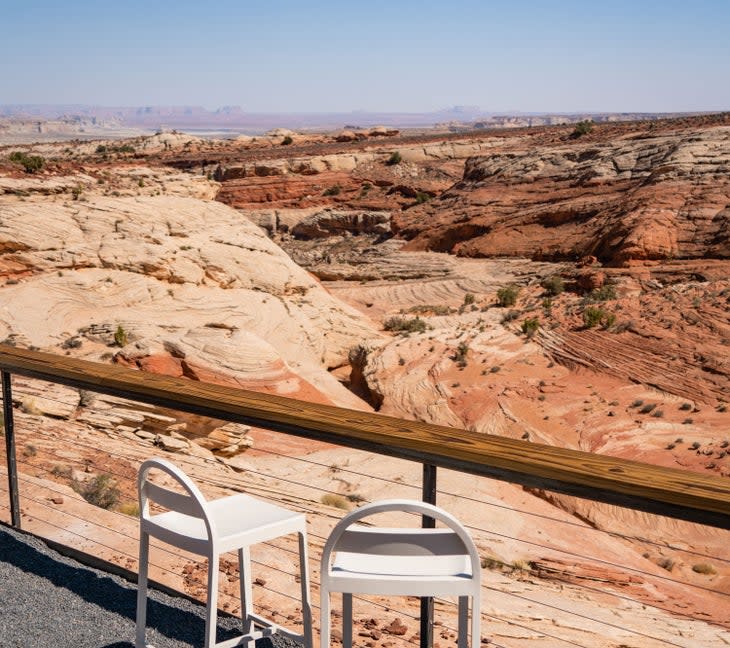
643	198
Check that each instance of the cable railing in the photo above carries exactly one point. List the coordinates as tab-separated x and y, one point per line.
697	498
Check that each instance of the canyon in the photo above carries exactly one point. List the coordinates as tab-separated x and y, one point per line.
540	283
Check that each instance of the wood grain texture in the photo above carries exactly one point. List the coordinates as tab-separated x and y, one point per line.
667	491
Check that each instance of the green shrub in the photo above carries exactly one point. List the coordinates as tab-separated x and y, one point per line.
554	285
395	158
530	326
604	293
582	128
460	356
124	148
100	491
405	324
593	316
30	163
120	336
422	197
469	299
507	296
101	149
287	140
334	190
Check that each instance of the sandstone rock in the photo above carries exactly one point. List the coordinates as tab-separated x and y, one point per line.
396	627
331	222
171	444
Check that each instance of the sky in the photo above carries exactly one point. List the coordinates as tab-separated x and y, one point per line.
286	56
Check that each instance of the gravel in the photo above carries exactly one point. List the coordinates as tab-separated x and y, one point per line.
50	601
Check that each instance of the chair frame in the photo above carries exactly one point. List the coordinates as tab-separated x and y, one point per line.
194	504
409	542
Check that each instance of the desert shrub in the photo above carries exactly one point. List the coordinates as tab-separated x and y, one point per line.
129	508
287	141
405	324
460	356
507	296
704	568
695	445
101	149
530	326
395	158
124	148
685	406
657	413
592	316
100	491
433	309
30	163
637	403
30	450
422	197
334	190
355	498
120	336
469	299
553	285
582	128
666	563
331	499
647	408
604	293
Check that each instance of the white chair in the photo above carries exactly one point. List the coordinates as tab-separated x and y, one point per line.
210	528
400	562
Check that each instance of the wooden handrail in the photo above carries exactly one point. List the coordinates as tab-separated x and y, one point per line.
666	491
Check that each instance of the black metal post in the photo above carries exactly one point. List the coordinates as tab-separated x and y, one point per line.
429	496
10	450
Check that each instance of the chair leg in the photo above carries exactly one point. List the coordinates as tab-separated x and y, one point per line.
244	573
346	620
476	619
325	620
304	582
463	622
144	552
211	616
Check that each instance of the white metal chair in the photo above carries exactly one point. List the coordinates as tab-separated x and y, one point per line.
400	562
210	528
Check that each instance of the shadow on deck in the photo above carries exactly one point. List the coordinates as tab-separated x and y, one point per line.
47	599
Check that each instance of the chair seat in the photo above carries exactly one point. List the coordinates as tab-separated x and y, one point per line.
240	520
400	575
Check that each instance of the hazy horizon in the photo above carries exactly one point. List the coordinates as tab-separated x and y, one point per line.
328	57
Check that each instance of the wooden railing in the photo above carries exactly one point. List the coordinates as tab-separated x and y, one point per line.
666	491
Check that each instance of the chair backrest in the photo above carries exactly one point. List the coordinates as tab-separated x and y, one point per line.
191	502
354	538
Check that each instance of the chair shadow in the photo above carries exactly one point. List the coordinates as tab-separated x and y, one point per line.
102	590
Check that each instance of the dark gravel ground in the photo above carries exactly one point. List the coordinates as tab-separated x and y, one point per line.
50	601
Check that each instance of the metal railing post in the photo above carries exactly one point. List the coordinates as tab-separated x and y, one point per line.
10	450
429	496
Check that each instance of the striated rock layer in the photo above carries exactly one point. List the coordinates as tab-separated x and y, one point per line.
634	198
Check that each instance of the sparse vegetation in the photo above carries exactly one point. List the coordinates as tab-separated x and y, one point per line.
507	296
129	508
334	190
593	316
337	501
460	356
395	158
582	128
604	293
647	408
530	326
120	336
287	141
553	285
685	407
469	299
405	324
100	491
30	163
422	197
30	450
637	403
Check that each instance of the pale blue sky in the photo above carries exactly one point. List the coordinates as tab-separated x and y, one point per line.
308	56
